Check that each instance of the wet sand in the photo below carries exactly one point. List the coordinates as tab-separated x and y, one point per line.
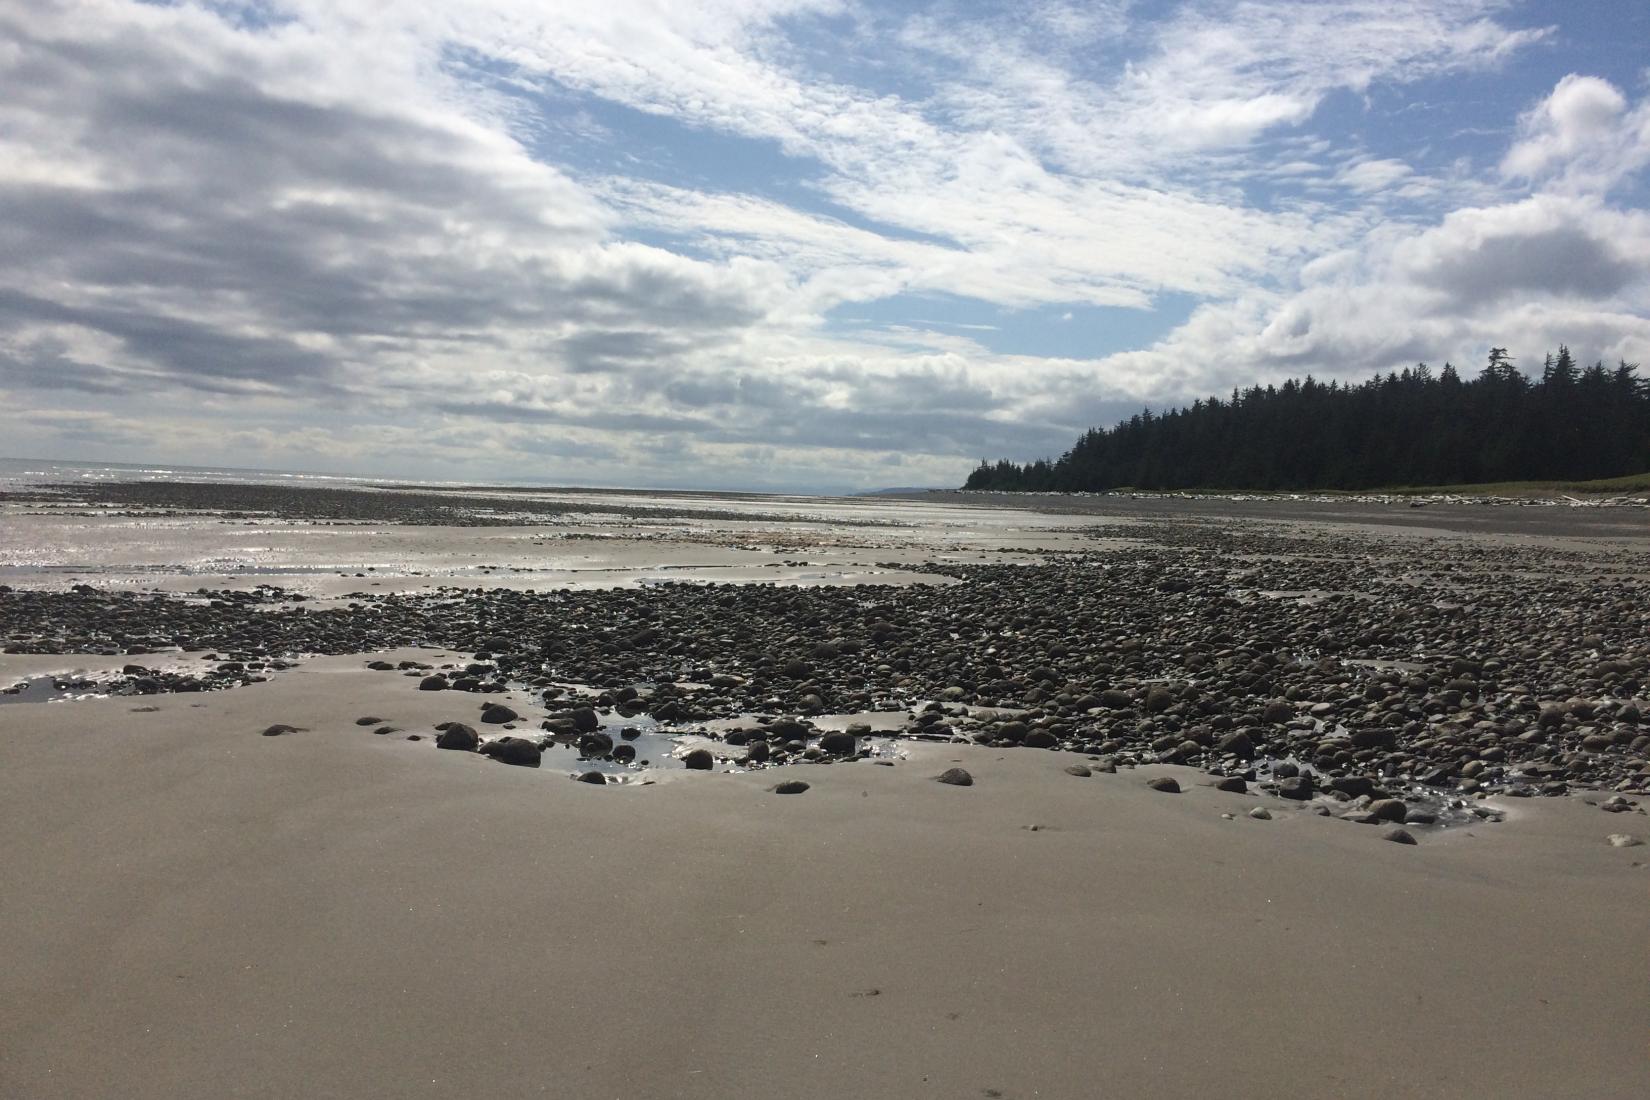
193	909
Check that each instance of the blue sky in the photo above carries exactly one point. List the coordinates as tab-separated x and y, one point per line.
822	244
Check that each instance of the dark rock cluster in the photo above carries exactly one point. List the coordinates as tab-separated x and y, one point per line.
1303	663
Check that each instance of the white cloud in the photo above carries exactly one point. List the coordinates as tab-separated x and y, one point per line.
336	235
1374	174
1584	136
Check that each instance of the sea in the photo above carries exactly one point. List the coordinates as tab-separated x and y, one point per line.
22	473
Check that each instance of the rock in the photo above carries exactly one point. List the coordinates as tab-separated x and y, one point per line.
1297	787
514	750
1388	809
1080	770
757	752
496	714
584	719
592	777
791	786
1353	786
1232	784
839	743
369	721
955	777
1260	813
456	735
1040	739
1115	699
1399	836
1277	712
594	745
1623	840
699	760
1159	699
435	682
278	729
1237	744
381	730
1164	783
1420	817
624	752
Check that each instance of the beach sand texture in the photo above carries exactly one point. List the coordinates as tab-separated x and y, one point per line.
193	909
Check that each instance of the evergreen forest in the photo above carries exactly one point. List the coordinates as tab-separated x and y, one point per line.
1405	428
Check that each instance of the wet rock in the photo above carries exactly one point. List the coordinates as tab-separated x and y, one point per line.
496	714
699	760
1388	809
584	719
593	745
457	736
1297	787
955	777
839	743
517	751
596	778
435	682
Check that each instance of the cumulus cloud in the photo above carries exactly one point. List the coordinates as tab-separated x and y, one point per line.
1584	134
316	231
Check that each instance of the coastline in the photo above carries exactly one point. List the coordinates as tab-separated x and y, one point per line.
196	909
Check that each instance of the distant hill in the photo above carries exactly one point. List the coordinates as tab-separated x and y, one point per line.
1412	427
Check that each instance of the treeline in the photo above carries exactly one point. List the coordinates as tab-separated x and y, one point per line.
1409	427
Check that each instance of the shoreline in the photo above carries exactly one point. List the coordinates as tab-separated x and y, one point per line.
345	909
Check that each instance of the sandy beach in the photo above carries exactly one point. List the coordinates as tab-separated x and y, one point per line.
196	909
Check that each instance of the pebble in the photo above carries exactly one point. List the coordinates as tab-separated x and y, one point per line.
1164	783
1399	836
955	777
1624	840
791	786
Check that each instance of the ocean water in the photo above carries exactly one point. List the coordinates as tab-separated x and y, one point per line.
18	473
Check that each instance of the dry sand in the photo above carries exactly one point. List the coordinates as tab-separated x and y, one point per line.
193	910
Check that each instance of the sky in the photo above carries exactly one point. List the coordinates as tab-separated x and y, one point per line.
816	245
